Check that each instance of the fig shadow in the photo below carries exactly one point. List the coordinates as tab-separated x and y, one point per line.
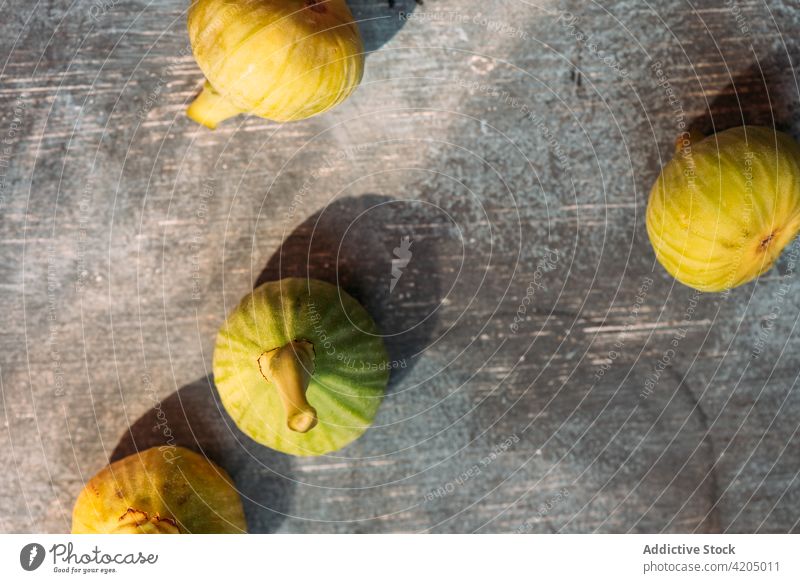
380	20
194	418
762	95
384	253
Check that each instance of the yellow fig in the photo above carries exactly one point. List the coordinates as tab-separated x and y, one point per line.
725	206
282	60
167	490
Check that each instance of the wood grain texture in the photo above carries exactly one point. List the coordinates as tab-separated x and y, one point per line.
514	143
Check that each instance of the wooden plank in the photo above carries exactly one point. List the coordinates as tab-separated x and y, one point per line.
515	145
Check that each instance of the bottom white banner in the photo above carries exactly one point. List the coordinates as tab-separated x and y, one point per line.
370	558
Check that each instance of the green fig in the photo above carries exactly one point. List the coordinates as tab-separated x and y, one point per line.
300	367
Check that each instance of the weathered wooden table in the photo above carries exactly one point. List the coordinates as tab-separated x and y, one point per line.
514	144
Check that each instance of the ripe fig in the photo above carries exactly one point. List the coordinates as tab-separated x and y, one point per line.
300	367
168	490
724	208
282	60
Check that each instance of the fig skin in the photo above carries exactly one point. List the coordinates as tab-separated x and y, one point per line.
300	367
725	206
282	60
167	490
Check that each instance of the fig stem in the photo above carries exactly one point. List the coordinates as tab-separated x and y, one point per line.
289	369
210	108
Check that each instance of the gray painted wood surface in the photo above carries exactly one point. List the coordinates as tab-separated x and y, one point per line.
512	145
